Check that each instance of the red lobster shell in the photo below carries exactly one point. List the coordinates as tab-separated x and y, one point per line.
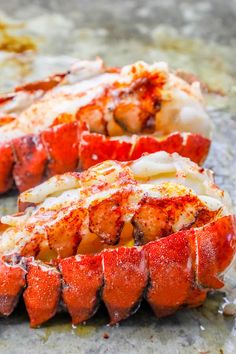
91	113
157	228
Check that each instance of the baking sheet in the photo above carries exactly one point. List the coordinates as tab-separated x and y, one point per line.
195	36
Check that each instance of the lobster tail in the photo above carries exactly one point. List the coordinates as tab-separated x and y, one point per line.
117	233
85	116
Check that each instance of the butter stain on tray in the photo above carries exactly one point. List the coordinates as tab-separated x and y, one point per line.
11	42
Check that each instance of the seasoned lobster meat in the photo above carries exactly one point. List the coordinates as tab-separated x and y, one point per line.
157	227
91	113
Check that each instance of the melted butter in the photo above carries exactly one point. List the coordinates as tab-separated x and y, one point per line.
84	330
58	326
211	320
80	330
15	43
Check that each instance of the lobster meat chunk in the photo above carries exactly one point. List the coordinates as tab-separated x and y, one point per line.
156	228
74	120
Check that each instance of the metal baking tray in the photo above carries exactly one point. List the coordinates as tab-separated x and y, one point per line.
195	36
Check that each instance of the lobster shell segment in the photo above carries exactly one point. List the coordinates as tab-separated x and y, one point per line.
95	148
30	161
171	273
125	279
215	247
12	282
62	144
42	293
82	285
6	167
156	228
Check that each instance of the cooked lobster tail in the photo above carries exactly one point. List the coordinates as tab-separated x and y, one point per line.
157	228
91	113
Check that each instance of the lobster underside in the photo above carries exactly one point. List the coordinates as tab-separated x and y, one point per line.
156	228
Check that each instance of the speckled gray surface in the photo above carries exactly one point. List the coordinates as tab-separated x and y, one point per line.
194	35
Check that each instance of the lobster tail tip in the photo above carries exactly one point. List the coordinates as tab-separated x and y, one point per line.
42	294
81	286
215	246
12	283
